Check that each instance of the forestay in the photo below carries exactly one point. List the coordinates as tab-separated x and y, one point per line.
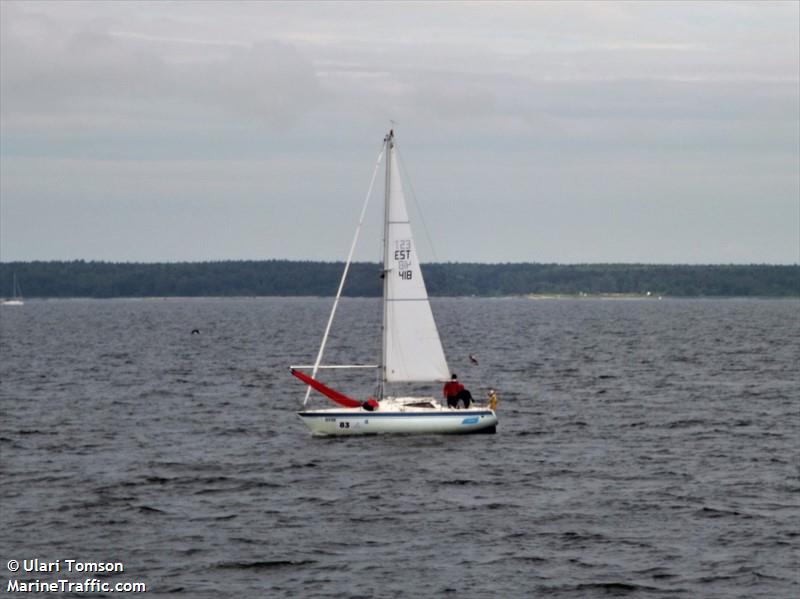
412	348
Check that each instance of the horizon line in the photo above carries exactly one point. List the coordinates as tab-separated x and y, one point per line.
316	261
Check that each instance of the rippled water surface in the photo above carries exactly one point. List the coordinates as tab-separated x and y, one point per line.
645	449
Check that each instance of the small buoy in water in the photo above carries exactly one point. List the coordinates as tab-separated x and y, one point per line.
195	331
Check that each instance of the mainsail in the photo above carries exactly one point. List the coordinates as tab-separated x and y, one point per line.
412	350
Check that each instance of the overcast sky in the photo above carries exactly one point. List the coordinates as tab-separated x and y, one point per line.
548	132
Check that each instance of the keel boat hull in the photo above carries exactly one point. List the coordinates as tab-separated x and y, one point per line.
441	421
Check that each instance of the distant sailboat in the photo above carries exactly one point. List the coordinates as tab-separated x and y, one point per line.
16	291
411	348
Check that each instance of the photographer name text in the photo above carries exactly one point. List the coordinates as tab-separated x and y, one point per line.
70	565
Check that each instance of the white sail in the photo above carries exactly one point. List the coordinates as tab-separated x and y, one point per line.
16	299
412	348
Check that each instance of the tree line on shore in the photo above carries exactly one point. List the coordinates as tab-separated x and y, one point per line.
81	278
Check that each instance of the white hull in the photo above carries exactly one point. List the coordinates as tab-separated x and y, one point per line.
396	418
13	303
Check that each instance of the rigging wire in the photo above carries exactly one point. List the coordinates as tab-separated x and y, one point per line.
416	203
344	274
407	178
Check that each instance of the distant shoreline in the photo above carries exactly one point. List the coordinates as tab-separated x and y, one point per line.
531	297
284	278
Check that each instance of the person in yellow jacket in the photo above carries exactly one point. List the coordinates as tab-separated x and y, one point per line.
492	399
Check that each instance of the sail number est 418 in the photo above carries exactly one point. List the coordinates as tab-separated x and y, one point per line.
402	255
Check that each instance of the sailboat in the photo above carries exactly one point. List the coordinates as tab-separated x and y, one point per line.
16	299
411	349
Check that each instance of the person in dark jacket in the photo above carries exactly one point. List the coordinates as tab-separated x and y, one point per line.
464	398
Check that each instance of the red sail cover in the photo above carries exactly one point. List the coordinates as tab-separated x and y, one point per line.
339	398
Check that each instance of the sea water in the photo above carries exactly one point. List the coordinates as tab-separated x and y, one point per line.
646	448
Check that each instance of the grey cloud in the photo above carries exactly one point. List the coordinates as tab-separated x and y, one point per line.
49	68
552	131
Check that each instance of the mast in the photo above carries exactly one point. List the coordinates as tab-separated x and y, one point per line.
385	275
